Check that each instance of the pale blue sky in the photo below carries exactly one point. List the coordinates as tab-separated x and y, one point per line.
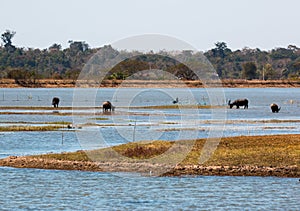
263	24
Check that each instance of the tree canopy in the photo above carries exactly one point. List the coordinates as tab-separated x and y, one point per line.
55	62
6	37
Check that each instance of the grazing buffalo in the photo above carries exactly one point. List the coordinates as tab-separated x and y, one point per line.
176	100
55	102
107	106
238	103
274	107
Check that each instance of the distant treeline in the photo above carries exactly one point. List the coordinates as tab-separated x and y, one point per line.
57	63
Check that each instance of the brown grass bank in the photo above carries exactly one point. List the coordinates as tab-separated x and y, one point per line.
229	83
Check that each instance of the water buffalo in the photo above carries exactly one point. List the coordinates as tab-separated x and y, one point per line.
176	100
274	107
107	106
238	103
55	102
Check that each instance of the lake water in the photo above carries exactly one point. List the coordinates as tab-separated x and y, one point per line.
32	189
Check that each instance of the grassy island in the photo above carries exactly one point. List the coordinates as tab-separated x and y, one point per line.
272	155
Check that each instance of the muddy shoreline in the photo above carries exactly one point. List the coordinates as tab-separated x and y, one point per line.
150	169
228	83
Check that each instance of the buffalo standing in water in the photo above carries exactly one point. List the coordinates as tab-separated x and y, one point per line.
274	107
176	100
55	102
238	103
107	106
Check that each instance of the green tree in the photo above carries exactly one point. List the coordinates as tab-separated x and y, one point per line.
7	39
78	46
221	49
55	47
249	71
269	72
283	53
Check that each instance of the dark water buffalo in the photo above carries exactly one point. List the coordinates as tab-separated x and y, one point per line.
238	103
176	100
274	107
107	106
55	102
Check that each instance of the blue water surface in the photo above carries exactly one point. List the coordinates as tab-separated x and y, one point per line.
34	189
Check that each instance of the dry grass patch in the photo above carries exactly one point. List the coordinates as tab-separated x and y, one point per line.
276	150
31	128
270	151
68	156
